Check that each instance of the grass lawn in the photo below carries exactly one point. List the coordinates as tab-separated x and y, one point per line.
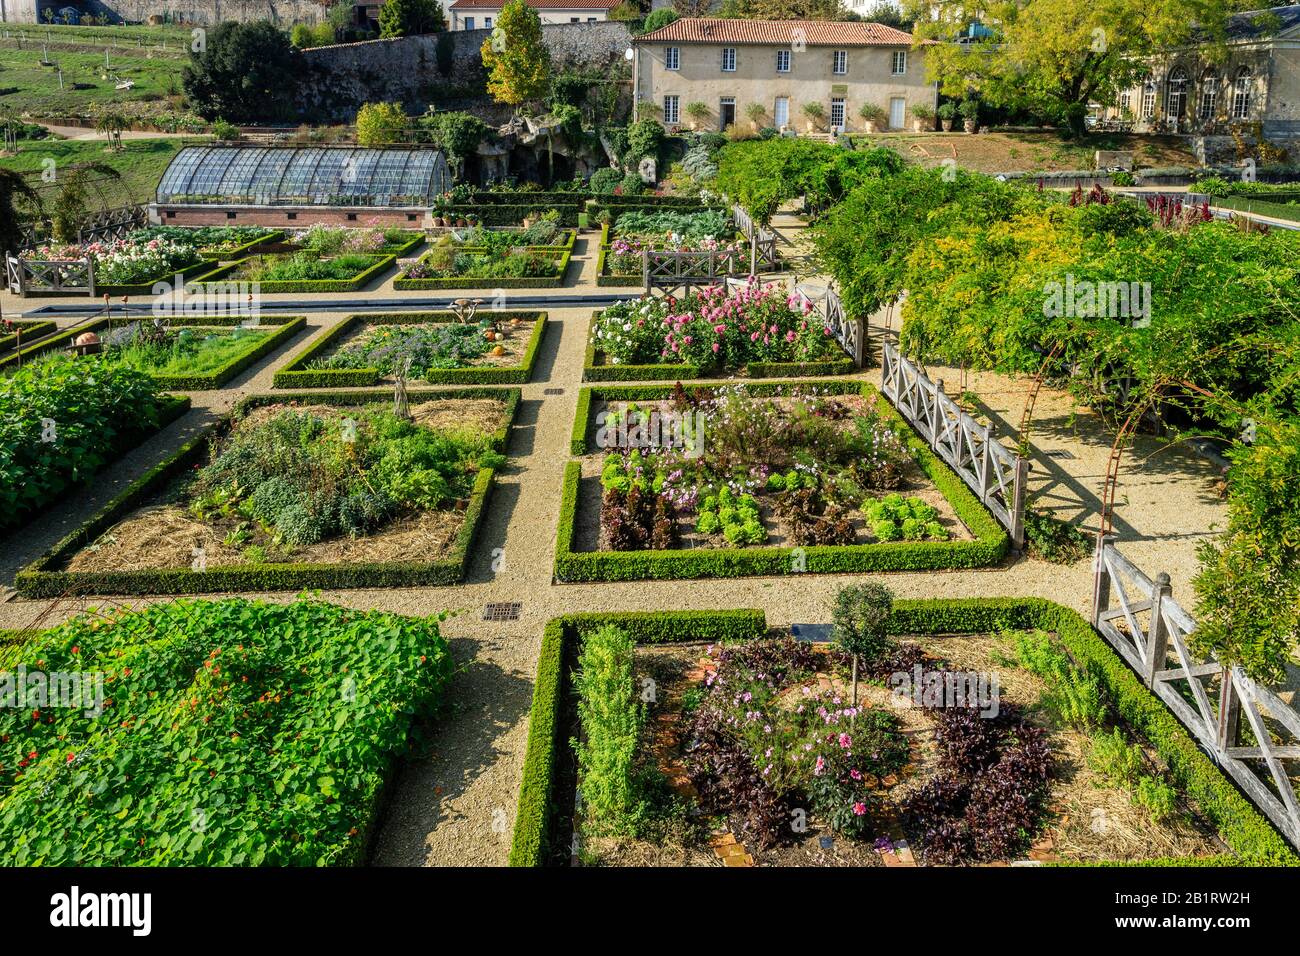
140	163
189	352
1045	151
156	74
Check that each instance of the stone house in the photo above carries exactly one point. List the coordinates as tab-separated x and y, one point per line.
1250	83
482	14
781	65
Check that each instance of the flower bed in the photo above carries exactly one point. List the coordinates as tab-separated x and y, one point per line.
756	329
293	716
1029	740
337	493
213	242
305	271
360	350
194	357
63	420
130	266
773	478
504	267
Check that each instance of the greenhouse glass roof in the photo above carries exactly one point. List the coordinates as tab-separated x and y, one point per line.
304	175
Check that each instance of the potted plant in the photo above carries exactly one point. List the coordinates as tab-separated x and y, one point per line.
970	115
815	113
922	118
874	118
756	112
698	112
947	113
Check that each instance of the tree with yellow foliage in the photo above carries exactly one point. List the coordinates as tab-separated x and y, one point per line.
517	61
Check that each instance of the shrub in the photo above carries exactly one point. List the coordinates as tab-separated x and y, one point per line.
859	618
1054	540
221	713
61	421
1118	761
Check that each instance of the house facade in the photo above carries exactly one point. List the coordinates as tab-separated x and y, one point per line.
1249	84
780	65
483	14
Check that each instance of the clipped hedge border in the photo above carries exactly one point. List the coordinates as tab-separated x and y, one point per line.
39	579
989	547
172	407
296	375
288	328
551	248
146	288
217	277
592	371
29	328
216	255
467	282
546	737
1241	826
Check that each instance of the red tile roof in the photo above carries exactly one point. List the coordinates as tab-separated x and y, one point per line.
778	32
537	4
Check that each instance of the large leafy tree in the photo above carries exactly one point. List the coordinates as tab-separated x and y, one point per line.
401	18
13	189
516	58
784	9
245	73
1052	57
382	124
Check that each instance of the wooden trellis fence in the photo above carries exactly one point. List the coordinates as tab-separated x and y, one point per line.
1141	620
763	256
50	276
113	224
674	271
826	305
997	476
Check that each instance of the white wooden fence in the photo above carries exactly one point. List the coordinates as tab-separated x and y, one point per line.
996	475
50	276
1141	620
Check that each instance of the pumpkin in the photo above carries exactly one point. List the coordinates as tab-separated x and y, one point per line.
490	335
499	350
87	338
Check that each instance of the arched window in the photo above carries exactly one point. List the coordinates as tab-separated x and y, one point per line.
1241	94
1175	94
1209	94
1148	97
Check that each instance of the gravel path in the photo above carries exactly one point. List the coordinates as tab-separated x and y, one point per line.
454	803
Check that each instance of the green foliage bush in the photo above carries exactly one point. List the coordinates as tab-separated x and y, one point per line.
61	421
274	727
859	617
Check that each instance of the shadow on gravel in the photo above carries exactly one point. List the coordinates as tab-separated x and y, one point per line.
484	702
489	546
523	434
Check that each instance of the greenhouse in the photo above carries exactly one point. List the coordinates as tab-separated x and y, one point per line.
309	176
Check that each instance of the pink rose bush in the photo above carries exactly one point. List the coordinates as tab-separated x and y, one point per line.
712	328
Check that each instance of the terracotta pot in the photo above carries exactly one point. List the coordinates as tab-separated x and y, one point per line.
970	126
946	125
869	126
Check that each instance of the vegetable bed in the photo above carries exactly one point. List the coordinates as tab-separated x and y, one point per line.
233	733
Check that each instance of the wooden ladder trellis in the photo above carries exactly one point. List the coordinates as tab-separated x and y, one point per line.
997	475
1149	630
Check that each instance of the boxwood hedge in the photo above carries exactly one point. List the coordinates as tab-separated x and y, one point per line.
297	375
26	329
44	577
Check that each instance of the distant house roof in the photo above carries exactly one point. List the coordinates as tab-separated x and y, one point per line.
779	32
537	4
1259	24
